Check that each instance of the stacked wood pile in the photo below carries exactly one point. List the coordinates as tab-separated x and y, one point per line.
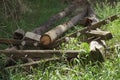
45	39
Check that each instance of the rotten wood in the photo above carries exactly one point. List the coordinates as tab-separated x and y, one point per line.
50	36
97	50
46	26
83	31
39	53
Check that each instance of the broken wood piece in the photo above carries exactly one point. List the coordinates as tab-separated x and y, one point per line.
32	36
50	36
18	34
39	53
97	50
105	35
46	26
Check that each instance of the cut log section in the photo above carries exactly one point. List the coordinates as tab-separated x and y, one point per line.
91	17
104	35
46	26
97	50
53	34
39	53
32	36
18	34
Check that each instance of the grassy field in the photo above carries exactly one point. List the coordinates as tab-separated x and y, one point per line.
78	68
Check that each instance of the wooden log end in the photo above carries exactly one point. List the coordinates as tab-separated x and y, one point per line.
45	40
97	51
18	34
86	22
97	56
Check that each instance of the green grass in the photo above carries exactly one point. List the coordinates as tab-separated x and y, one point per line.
79	68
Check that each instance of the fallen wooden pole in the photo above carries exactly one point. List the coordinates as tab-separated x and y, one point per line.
83	31
39	53
50	36
46	26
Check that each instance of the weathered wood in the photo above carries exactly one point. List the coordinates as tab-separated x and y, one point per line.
18	34
33	64
83	31
105	35
32	36
39	53
97	50
50	36
46	26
